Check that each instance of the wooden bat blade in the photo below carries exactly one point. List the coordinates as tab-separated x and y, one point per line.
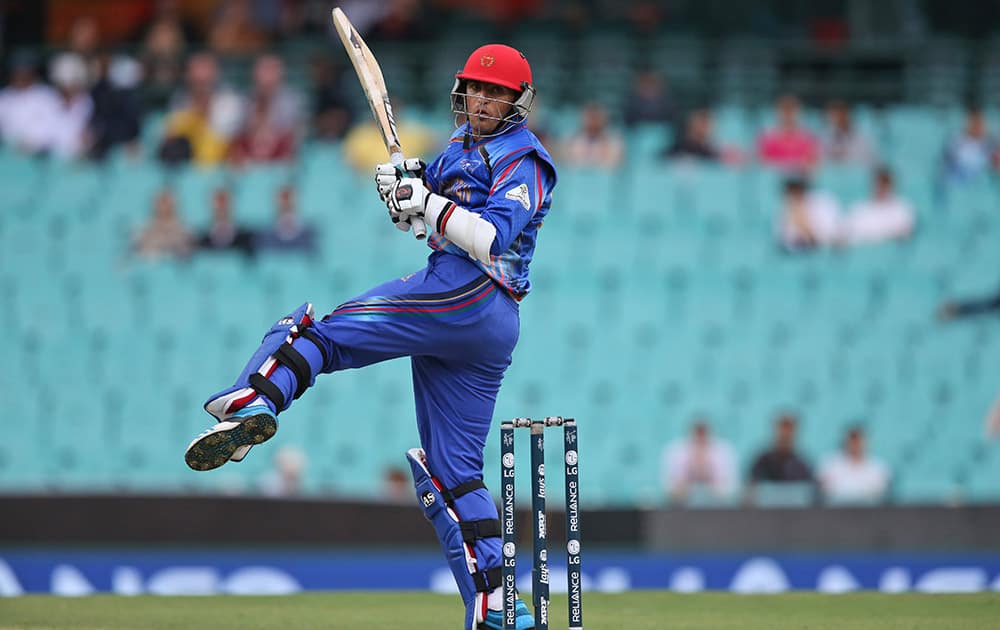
373	83
371	79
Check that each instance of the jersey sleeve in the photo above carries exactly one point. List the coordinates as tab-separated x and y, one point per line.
520	189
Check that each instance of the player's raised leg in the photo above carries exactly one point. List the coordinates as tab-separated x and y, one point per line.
247	411
392	320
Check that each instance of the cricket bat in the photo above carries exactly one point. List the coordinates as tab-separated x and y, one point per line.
370	75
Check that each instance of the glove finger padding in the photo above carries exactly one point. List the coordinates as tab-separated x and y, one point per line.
400	221
386	175
414	167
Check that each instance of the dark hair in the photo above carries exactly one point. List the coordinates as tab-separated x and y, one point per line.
787	418
796	184
884	173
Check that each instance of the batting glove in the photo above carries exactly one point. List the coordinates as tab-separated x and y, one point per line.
407	197
387	174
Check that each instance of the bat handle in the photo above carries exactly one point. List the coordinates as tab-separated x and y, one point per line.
419	230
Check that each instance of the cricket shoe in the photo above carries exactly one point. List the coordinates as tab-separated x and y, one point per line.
522	621
232	438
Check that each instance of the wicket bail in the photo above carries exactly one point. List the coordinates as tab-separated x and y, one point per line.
540	567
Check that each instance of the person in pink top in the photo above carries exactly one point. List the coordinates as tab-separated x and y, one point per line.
788	145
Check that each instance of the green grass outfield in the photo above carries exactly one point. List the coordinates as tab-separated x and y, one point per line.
637	610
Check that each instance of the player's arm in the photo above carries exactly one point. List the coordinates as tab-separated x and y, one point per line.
519	190
517	193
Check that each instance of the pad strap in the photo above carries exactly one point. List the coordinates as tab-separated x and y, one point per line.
311	336
287	355
263	386
450	494
487	579
476	530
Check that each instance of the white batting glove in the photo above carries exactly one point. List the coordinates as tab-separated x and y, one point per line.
387	173
407	197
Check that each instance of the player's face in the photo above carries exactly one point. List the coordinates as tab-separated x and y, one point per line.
487	105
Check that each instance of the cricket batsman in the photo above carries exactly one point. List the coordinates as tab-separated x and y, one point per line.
482	200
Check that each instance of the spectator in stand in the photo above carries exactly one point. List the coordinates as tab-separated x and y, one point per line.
276	117
117	117
27	107
595	144
969	307
285	479
170	12
332	114
68	124
700	462
261	140
841	142
164	236
204	118
781	463
224	234
289	233
284	106
884	217
993	415
809	219
696	142
973	152
397	487
789	145
234	31
853	476
648	101
85	41
162	51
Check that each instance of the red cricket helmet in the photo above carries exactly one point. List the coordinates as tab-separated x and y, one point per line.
499	64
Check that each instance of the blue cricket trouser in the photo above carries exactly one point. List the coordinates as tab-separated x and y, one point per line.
459	329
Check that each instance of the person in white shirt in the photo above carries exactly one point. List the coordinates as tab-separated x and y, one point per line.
842	143
26	107
886	216
809	218
852	475
595	144
71	116
699	462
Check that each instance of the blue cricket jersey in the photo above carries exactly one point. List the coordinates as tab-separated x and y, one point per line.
508	180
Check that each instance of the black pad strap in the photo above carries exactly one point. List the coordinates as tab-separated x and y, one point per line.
450	494
266	388
305	333
293	360
476	530
488	579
